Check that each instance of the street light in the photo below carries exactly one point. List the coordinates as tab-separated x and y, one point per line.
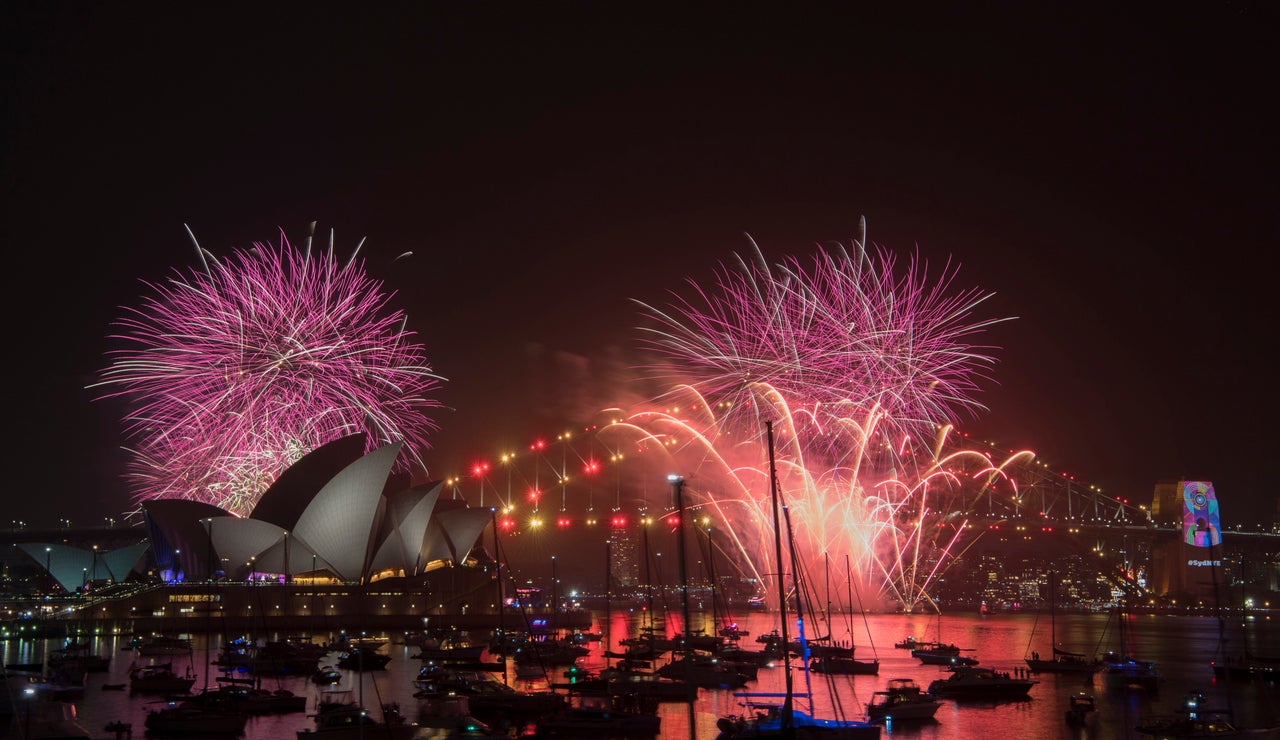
564	470
508	459
481	469
617	467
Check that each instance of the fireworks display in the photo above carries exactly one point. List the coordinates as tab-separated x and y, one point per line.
863	365
235	370
862	370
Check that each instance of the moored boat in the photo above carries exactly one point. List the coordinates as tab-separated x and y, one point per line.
363	658
274	658
450	649
341	719
159	679
41	719
80	657
934	649
645	683
902	700
245	697
847	666
772	721
449	715
549	652
164	645
487	697
326	676
1246	669
1063	662
600	715
947	656
707	672
192	720
1195	719
54	688
974	683
1124	673
1080	707
784	720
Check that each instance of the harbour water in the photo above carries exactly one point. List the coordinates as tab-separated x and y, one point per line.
1182	647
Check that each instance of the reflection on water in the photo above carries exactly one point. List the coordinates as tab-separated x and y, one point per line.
1182	647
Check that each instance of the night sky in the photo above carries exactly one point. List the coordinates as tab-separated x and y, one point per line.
1109	173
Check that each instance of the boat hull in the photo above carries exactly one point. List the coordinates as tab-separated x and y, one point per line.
1246	671
902	700
915	711
928	658
845	666
183	722
1062	666
978	684
805	727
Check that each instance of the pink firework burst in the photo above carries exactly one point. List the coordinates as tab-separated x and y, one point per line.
235	370
895	347
863	366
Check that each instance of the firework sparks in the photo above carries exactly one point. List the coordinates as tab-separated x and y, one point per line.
856	361
236	370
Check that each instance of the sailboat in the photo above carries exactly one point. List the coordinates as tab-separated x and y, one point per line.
1060	661
771	720
1243	664
1121	670
839	659
941	653
1195	718
198	716
593	708
633	677
339	717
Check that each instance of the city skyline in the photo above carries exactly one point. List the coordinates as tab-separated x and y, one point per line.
1107	187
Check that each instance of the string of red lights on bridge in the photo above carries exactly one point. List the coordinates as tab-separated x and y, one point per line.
577	480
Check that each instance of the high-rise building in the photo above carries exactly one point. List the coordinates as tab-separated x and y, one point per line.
624	565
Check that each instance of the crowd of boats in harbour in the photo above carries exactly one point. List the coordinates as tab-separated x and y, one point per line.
466	686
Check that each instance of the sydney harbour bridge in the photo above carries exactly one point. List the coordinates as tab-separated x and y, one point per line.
574	487
563	485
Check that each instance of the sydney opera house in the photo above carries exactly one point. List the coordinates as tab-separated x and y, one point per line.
338	532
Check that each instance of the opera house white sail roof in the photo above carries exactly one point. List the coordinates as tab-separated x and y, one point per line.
335	511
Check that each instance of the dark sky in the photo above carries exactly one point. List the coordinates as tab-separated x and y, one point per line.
1109	173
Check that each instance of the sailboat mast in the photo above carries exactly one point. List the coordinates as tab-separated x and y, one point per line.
1053	615
795	583
1217	606
788	719
648	580
677	483
711	573
867	625
502	605
826	586
608	597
